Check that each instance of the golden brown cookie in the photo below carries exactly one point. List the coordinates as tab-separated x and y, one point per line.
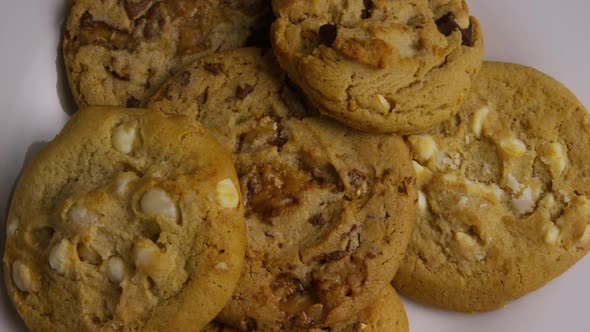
328	209
380	65
503	204
118	52
128	220
387	314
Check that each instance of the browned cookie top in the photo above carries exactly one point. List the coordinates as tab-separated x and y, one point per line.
504	193
386	314
380	65
328	209
118	52
128	220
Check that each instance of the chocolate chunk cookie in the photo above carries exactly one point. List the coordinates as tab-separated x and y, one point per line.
128	220
380	65
387	314
504	201
118	52
328	209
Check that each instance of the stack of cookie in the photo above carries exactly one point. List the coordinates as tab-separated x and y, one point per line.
289	188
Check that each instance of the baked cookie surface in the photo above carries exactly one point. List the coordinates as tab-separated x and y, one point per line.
118	52
128	220
380	65
328	209
387	314
503	204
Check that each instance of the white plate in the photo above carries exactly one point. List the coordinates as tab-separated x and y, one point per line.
549	35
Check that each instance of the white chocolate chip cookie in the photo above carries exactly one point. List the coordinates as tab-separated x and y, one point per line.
516	212
119	225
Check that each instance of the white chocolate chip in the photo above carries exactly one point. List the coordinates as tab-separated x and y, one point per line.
477	123
122	182
423	146
587	119
512	147
457	159
22	276
362	326
564	195
554	156
60	256
226	194
423	174
525	202
463	202
157	202
513	184
146	255
552	234
586	236
116	269
123	137
465	240
418	169
467	140
82	215
470	246
445	160
12	227
491	191
221	266
422	201
548	202
385	106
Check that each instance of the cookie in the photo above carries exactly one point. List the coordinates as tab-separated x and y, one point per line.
504	187
118	52
380	65
329	210
387	314
128	220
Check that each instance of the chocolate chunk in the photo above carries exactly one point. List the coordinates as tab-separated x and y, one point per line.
467	35
331	256
243	91
202	98
184	79
122	77
316	220
366	13
446	25
154	21
133	102
100	33
278	140
86	21
134	8
250	324
358	182
271	190
213	68
403	189
328	33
